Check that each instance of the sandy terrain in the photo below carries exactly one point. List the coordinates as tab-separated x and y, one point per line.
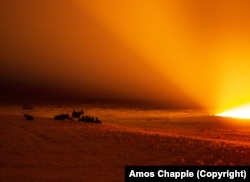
49	150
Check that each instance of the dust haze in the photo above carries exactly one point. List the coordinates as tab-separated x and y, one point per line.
179	53
56	50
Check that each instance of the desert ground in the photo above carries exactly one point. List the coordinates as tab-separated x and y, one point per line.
69	150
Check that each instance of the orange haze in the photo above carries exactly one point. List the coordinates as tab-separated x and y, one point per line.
179	52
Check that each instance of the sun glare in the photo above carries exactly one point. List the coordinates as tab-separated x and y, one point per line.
237	112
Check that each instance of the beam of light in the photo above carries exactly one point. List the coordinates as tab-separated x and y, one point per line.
242	112
163	35
203	46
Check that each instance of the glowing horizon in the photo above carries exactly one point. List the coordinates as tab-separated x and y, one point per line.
242	112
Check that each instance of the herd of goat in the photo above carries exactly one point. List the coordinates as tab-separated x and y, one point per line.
79	116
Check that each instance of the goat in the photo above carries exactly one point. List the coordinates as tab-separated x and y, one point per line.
61	117
90	119
77	115
97	121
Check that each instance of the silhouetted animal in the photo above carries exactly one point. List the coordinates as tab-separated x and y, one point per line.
77	115
97	121
61	117
90	119
28	117
87	118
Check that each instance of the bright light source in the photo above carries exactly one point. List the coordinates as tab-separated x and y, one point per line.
237	112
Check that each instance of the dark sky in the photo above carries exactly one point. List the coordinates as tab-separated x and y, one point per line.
167	52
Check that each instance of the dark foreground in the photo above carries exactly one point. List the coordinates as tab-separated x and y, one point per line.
49	150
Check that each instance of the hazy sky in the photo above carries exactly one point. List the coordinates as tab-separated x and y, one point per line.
180	52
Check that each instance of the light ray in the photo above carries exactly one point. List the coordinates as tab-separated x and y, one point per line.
237	112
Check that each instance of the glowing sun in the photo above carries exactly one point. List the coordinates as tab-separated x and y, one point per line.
237	112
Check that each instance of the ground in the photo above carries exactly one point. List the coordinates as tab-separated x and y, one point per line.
45	149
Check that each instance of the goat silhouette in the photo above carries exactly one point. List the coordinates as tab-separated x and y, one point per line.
61	117
76	114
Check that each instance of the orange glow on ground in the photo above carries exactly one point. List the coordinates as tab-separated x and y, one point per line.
238	112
